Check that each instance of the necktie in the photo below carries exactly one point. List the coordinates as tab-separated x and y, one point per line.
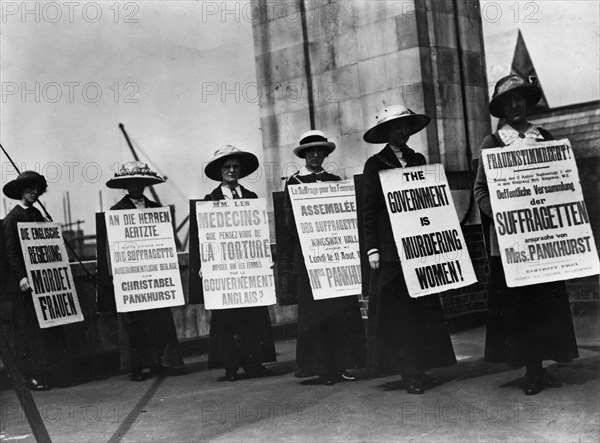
234	194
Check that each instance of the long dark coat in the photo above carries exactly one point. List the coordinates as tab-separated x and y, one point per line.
40	353
331	335
408	335
147	339
525	324
241	336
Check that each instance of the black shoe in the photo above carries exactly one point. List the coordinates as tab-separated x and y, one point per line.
37	385
429	381
231	374
415	386
327	380
137	374
346	376
549	380
533	384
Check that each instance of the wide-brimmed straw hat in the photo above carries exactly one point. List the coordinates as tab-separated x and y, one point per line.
248	162
509	85
311	139
14	188
134	173
395	115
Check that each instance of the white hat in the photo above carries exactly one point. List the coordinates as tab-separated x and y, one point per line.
395	114
248	162
313	138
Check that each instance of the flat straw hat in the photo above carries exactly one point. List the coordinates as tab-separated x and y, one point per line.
248	162
14	188
509	85
134	173
313	138
392	115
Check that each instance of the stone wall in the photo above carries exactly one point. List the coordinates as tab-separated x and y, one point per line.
353	58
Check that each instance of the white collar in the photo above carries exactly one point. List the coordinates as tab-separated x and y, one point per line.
399	155
510	135
305	171
227	191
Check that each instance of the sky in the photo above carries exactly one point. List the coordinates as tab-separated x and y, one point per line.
180	76
562	38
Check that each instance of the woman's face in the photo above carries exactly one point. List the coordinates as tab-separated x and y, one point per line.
230	171
398	135
315	157
30	195
515	108
135	190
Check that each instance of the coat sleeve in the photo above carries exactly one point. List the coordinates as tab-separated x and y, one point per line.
13	246
421	160
288	211
480	189
371	201
546	134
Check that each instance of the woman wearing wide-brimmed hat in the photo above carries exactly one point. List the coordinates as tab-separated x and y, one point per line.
527	324
406	335
148	339
331	336
239	337
38	351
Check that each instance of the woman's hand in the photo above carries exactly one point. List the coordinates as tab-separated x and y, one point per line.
374	260
24	284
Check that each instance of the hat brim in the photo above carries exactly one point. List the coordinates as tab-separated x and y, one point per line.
532	95
126	181
248	164
379	132
299	150
14	188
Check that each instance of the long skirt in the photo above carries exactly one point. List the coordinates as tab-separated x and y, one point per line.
528	324
331	335
409	334
240	337
148	339
40	353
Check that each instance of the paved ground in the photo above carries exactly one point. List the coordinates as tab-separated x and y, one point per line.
475	402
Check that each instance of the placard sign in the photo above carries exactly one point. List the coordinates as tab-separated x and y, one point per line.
325	215
143	259
540	217
49	273
427	232
235	253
